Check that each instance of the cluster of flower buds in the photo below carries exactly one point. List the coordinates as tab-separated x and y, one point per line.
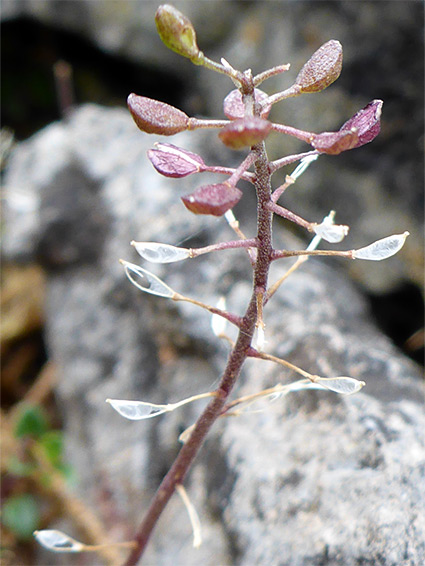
245	128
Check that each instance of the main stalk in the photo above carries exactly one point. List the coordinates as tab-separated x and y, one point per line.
237	357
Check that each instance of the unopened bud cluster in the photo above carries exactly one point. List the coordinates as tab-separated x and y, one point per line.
244	129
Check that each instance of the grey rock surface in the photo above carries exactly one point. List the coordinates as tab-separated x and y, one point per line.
314	478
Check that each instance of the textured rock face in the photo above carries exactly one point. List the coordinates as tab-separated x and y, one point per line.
314	478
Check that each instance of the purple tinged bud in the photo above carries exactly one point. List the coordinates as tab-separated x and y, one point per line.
333	143
322	69
360	129
212	199
367	122
233	106
155	117
245	132
172	161
177	32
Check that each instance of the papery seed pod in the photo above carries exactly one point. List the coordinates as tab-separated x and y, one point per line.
343	385
333	143
146	281
57	541
322	69
212	199
172	161
367	122
382	249
177	32
137	410
331	232
160	253
245	132
233	106
155	117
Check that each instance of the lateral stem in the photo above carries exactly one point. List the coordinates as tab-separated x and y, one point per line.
234	244
289	215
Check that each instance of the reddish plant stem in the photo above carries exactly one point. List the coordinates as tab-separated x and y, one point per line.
289	215
234	244
237	357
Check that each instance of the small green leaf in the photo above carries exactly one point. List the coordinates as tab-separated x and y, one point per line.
32	422
52	443
21	515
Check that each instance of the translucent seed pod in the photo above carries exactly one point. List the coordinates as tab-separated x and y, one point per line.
138	410
57	541
147	281
331	232
382	249
160	253
342	385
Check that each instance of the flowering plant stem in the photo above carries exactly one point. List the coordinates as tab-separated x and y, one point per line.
247	127
238	355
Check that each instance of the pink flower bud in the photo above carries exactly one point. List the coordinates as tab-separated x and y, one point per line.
245	132
154	117
233	106
322	69
212	199
172	161
333	143
367	122
177	32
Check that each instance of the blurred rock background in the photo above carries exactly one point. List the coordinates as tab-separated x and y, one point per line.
78	192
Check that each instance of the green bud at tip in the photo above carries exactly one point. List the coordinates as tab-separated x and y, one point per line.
177	32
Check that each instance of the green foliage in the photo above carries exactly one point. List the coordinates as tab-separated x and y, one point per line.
32	422
21	514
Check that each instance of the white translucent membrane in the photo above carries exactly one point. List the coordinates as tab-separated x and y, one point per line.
57	541
303	165
139	410
331	232
259	338
382	249
147	281
160	253
342	385
219	323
